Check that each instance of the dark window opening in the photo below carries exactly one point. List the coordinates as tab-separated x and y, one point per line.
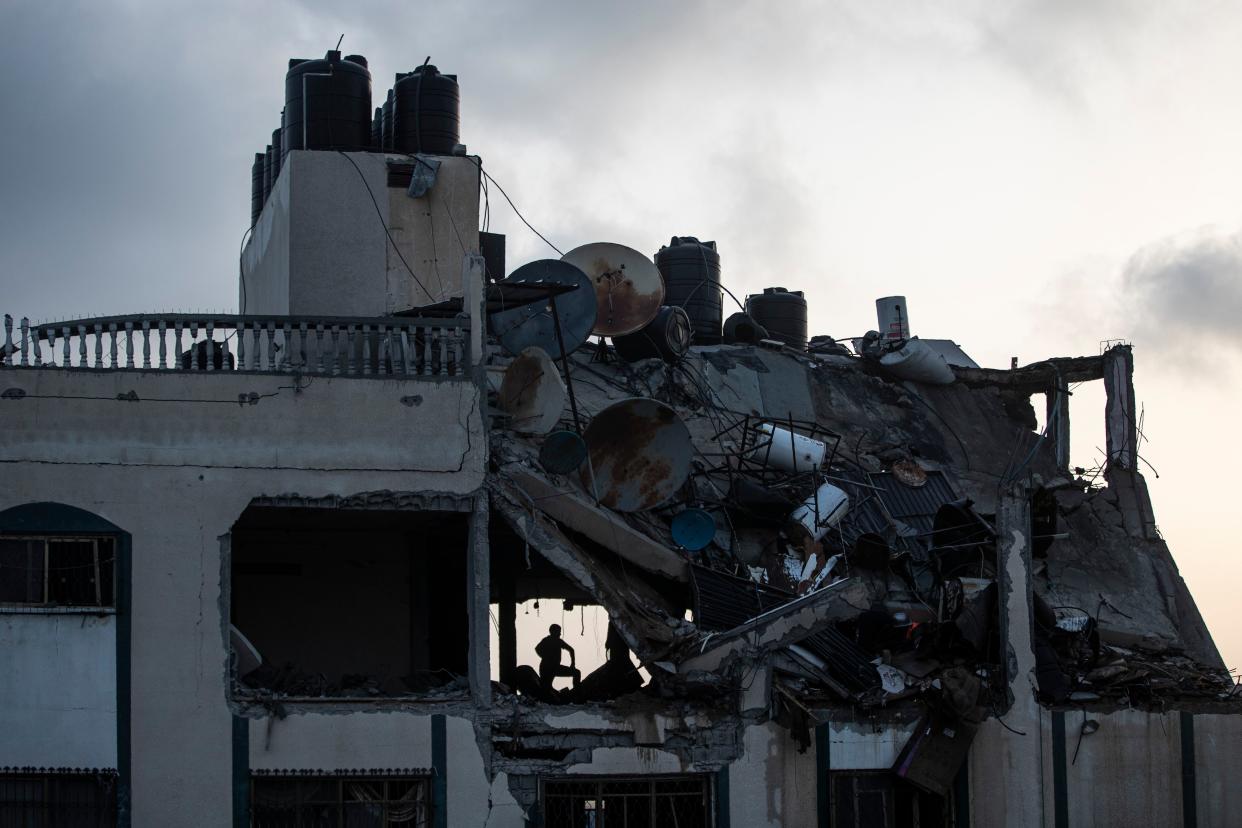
49	571
348	802
350	603
69	800
530	597
877	799
630	802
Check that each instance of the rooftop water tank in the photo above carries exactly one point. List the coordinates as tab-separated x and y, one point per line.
782	313
327	104
377	129
690	270
893	317
386	123
256	188
275	156
667	337
426	112
267	173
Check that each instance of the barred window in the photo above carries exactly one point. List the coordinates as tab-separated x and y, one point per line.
878	799
68	800
340	802
629	802
53	571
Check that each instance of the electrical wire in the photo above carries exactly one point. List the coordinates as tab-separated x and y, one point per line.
384	224
484	174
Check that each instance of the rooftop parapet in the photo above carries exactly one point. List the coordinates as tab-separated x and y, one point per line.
329	346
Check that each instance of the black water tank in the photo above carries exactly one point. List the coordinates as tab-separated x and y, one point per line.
741	328
667	337
782	313
426	113
386	124
691	273
337	111
276	137
256	188
377	129
267	173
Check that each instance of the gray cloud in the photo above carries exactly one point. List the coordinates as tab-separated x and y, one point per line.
130	125
1184	293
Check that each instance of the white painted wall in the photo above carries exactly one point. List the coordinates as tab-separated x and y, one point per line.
176	476
320	246
1218	770
771	783
57	690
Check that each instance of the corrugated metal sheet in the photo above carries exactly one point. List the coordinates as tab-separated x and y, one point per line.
876	495
915	507
726	601
846	661
723	602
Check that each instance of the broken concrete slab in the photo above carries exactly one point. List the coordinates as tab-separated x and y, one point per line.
599	524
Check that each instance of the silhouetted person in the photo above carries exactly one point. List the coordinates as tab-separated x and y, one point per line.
549	652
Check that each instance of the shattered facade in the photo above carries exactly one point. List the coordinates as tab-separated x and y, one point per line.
258	579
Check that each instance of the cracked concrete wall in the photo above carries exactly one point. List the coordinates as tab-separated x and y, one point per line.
772	784
176	476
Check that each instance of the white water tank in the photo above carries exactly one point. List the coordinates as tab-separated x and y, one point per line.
804	454
821	511
894	321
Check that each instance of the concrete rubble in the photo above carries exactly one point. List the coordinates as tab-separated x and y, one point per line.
895	608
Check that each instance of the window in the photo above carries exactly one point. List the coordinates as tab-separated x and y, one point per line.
351	603
340	802
878	799
51	571
68	800
635	802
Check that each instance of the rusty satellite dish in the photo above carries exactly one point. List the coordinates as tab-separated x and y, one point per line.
532	325
910	473
639	452
628	287
532	393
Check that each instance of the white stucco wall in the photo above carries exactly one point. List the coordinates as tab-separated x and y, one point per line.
1129	772
1218	770
57	690
176	476
772	784
320	247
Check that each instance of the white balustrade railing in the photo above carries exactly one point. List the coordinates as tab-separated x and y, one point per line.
351	346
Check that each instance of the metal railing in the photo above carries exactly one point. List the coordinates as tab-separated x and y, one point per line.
349	346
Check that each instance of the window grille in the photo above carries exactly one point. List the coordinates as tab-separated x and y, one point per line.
340	802
67	800
53	571
629	802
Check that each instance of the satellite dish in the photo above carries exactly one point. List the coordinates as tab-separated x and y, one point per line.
640	454
628	287
532	392
693	529
531	324
562	452
910	473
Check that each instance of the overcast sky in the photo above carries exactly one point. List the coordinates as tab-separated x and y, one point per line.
1034	176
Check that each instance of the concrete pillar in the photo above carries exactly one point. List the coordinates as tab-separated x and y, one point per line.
473	270
1021	761
1058	420
1121	423
478	586
1120	417
508	634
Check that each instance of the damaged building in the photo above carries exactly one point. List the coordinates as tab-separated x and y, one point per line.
332	560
